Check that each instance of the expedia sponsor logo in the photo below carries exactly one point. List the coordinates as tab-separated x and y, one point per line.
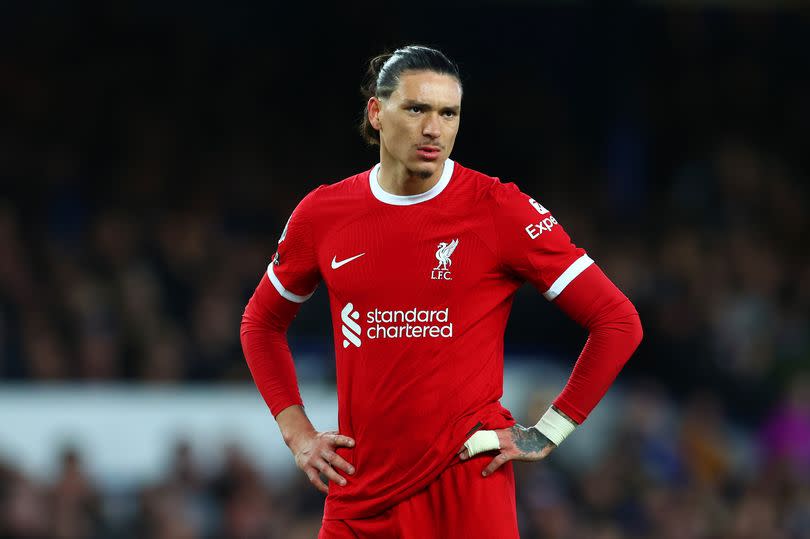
535	230
412	323
537	206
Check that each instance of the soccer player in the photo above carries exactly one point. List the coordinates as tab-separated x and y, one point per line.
421	257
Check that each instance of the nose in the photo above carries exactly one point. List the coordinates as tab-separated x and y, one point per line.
431	127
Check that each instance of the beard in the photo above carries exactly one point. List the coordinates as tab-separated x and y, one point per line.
422	174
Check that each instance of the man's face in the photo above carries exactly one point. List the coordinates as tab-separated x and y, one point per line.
418	123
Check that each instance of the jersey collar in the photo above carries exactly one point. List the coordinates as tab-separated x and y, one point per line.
407	200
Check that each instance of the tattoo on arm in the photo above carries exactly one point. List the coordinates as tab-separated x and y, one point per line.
529	440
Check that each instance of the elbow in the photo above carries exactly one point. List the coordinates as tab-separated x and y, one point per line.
244	326
249	318
626	322
255	321
636	330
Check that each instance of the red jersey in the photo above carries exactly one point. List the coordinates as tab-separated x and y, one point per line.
420	289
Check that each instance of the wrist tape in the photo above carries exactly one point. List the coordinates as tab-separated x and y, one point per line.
554	426
483	440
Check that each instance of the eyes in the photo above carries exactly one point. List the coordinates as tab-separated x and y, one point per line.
419	109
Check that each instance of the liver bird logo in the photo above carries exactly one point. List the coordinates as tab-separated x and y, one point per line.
443	254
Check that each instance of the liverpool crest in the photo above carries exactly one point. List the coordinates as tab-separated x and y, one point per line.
443	253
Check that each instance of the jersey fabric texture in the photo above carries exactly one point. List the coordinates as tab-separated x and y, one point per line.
420	289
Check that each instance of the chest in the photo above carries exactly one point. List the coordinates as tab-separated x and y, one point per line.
407	255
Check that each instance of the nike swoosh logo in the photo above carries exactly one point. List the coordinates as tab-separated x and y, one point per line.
336	264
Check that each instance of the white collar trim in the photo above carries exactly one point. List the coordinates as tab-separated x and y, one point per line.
407	200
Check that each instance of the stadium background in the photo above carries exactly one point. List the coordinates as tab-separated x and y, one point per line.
151	153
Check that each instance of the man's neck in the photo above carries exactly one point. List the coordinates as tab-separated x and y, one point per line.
396	179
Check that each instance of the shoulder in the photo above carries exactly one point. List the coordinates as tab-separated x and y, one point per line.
506	202
481	186
492	190
331	195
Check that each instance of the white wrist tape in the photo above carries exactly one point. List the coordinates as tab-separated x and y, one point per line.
554	426
483	440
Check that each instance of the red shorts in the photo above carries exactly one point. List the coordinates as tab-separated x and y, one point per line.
460	503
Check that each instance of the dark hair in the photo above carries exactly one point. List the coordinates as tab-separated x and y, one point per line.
384	71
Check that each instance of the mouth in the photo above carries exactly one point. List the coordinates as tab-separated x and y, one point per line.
428	153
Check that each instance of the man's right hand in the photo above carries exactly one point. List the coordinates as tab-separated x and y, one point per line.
314	451
315	454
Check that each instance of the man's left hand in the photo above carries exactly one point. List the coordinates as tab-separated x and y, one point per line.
516	443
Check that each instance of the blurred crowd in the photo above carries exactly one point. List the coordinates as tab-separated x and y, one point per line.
668	473
148	169
149	158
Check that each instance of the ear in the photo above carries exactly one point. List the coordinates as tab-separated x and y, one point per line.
373	109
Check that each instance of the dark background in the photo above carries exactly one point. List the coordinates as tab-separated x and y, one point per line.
151	153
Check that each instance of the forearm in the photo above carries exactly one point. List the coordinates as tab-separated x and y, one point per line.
264	343
605	353
594	302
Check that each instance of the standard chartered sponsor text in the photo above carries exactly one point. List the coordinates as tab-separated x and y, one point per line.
409	324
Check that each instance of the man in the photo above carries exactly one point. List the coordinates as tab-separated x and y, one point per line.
421	258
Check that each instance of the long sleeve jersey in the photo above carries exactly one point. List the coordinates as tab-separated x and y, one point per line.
420	289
